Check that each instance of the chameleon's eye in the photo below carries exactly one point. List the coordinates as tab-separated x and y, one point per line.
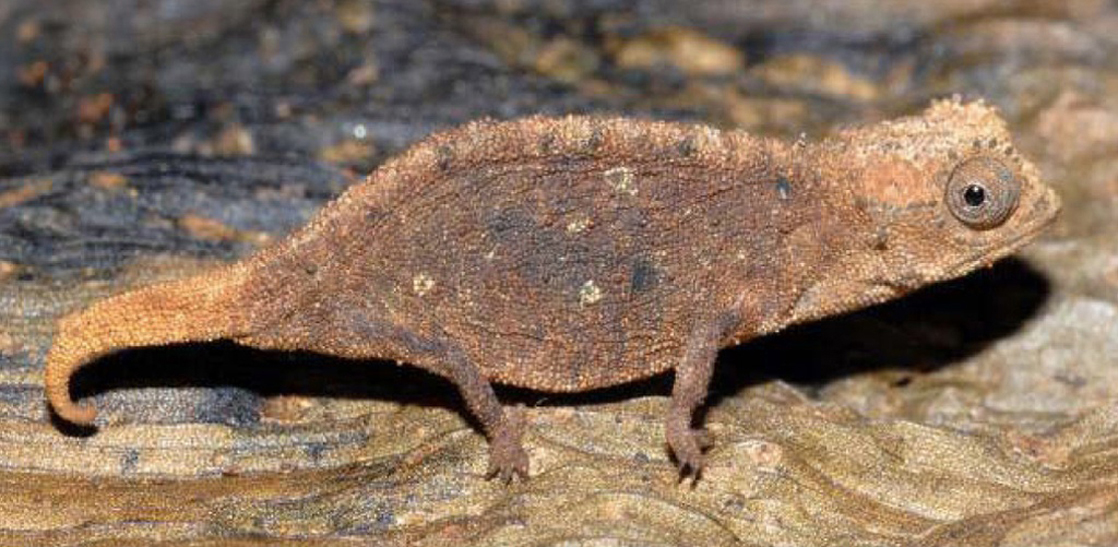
982	192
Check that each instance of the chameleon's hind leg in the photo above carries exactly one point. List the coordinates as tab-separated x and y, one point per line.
504	427
437	354
692	377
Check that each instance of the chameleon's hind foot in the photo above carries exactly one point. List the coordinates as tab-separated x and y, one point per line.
688	444
507	457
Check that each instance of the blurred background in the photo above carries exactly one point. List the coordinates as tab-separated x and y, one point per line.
150	139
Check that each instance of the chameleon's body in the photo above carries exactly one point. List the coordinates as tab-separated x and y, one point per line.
575	253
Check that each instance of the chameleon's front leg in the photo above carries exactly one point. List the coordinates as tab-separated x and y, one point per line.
692	377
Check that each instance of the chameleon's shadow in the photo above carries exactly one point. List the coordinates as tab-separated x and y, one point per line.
240	379
926	330
929	329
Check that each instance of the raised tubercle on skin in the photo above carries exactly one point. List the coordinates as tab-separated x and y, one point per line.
195	309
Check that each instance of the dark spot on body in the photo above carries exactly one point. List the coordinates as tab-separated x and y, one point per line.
444	156
546	254
373	215
993	143
547	143
508	223
644	276
685	147
783	187
595	139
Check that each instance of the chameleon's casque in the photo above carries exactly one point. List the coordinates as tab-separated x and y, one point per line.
566	254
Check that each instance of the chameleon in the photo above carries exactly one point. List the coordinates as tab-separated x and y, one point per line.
565	254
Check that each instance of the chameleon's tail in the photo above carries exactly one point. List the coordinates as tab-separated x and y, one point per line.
194	309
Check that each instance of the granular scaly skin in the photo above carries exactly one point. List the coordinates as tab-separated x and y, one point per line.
566	254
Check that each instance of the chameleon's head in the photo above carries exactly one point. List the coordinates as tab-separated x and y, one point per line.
938	195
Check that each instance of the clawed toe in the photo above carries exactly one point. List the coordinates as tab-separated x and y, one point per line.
689	453
687	445
507	463
507	457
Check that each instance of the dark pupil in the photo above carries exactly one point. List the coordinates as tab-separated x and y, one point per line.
974	195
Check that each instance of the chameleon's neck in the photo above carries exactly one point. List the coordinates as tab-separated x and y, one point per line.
841	261
827	246
199	308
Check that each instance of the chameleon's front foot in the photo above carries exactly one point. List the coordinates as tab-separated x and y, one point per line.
687	444
506	454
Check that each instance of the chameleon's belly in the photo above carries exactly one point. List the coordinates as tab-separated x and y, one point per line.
583	328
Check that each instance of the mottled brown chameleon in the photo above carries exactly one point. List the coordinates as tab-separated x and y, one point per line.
566	254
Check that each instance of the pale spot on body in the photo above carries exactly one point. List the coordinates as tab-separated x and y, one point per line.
578	225
589	293
422	284
622	179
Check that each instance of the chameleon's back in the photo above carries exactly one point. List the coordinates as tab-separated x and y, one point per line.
557	254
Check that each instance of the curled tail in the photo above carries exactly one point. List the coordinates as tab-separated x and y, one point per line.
201	308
